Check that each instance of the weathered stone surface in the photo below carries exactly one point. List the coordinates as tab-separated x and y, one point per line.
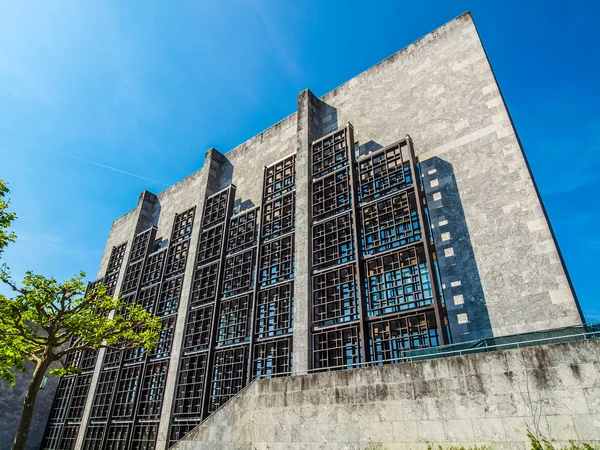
445	416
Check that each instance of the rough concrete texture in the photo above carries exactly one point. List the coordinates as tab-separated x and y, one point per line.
485	398
11	402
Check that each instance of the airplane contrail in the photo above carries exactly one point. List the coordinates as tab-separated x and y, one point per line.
77	158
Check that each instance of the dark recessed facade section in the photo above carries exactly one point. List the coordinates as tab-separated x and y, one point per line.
384	172
331	194
393	338
144	436
330	154
165	341
152	390
398	281
279	216
335	296
233	321
126	390
190	386
197	330
228	375
239	273
272	358
140	245
204	285
153	269
243	231
338	348
215	209
390	223
131	280
276	262
104	390
170	295
210	243
275	311
116	258
280	178
333	242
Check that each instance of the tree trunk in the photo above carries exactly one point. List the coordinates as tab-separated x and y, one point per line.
29	405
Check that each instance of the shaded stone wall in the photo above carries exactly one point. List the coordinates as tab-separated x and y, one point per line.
485	398
11	402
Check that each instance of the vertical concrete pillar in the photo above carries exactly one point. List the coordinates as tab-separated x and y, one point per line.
213	163
308	129
143	218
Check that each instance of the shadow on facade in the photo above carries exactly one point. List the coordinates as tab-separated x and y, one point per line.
456	259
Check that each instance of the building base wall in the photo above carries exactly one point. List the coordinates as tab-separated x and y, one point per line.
486	398
11	402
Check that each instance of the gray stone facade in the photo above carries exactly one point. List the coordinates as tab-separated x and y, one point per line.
479	399
500	267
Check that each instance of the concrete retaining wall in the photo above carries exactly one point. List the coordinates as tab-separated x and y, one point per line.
481	398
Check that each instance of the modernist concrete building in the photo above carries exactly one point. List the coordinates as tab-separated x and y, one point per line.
395	213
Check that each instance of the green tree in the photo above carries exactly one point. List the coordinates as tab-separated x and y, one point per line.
6	218
47	321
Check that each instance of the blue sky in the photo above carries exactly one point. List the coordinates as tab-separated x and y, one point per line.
145	88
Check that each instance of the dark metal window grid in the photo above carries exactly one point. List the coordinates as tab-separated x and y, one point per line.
204	285
390	223
104	391
170	294
190	386
333	242
279	216
228	375
329	154
280	178
331	194
153	269
273	358
68	437
80	392
242	231
392	337
116	258
233	321
94	435
239	272
335	298
144	436
152	390
117	436
126	392
209	244
197	330
165	340
275	311
132	277
276	261
337	347
398	281
215	209
384	172
180	429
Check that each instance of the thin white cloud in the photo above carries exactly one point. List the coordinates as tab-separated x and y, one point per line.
77	158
